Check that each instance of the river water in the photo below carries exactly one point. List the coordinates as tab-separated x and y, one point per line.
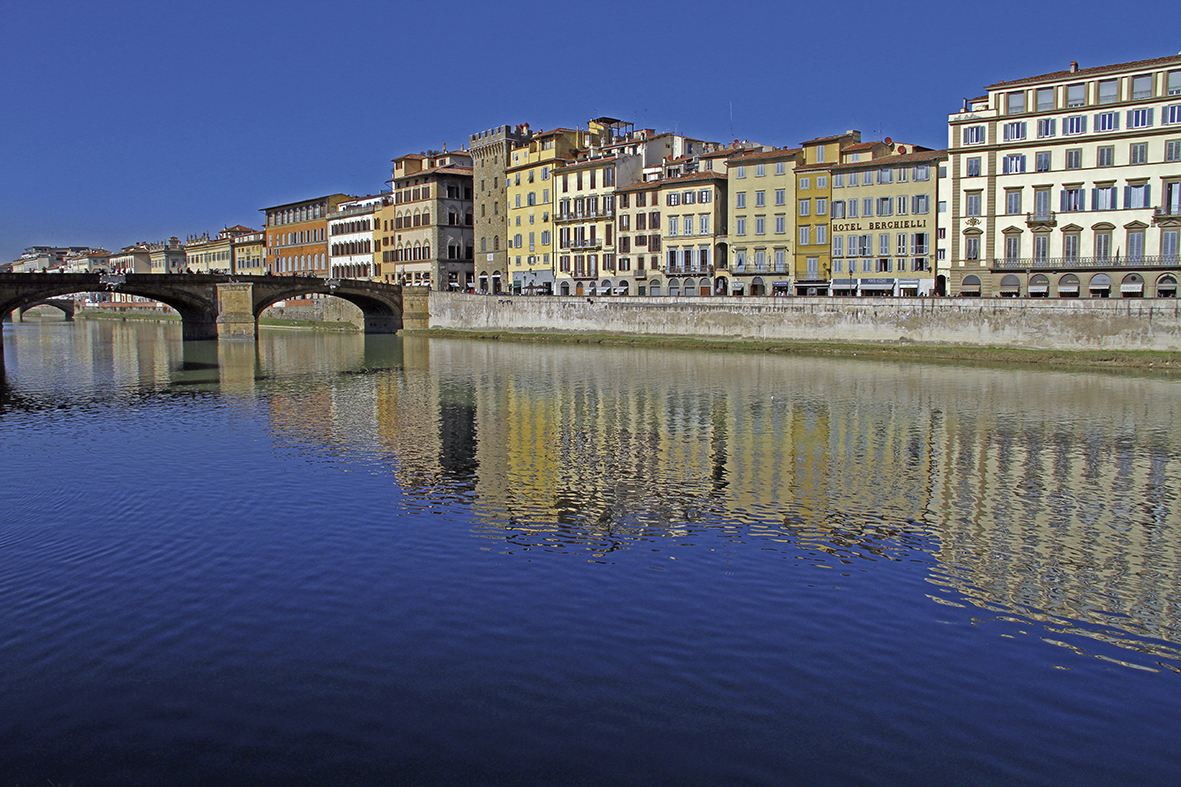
348	560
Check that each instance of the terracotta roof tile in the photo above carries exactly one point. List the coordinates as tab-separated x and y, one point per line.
1082	73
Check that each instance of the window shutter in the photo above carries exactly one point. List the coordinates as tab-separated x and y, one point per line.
1062	205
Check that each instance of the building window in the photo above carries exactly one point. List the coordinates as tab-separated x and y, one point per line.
1173	150
1016	102
971	248
1074	159
1103	198
805	207
1073	199
780	196
805	235
973	168
1015	131
1105	157
740	200
760	170
760	225
974	135
740	226
1107	121
1043	161
1075	125
838	209
805	184
1140	118
923	172
780	168
1108	91
1012	247
1013	164
1138	153
780	224
972	204
1047	127
1013	202
1045	99
740	172
760	198
1137	196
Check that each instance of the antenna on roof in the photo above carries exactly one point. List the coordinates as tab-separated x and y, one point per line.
731	118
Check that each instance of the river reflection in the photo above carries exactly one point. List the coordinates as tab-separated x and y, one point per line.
1034	504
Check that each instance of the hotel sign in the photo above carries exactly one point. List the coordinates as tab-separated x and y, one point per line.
855	226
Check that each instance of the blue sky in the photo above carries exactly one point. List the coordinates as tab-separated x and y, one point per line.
129	121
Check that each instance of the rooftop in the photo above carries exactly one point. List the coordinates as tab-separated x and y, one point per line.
1080	73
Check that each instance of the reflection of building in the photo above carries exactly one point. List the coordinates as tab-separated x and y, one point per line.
1068	184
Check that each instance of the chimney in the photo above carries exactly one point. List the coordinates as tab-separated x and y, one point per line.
1073	66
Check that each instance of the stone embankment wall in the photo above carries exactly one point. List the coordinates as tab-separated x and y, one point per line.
327	310
1060	324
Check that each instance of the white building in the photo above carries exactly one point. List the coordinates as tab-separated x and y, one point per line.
350	237
1068	184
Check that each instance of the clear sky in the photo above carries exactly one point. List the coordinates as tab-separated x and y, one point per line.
130	121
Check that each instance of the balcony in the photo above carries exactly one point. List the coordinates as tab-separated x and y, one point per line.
1042	218
1060	263
585	215
1167	214
586	243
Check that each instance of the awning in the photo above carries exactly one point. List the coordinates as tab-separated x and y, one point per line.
908	283
1163	286
882	284
1094	286
844	282
1010	288
780	284
604	291
1136	286
1067	288
621	290
737	287
1038	288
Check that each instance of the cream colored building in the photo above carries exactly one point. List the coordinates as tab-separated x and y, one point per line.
168	256
1068	184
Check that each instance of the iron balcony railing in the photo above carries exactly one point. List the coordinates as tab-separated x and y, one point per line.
1144	260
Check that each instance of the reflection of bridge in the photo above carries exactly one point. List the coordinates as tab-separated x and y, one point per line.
211	306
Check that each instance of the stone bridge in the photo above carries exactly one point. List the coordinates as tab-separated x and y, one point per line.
211	306
64	305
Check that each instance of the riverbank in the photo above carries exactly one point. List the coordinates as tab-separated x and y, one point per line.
1169	362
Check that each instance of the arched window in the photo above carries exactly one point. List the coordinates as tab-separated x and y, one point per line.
1166	286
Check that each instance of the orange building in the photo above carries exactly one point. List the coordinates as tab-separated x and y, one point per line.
297	236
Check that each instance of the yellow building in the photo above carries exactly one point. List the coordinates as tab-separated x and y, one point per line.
249	252
813	261
529	201
762	229
216	255
883	211
167	257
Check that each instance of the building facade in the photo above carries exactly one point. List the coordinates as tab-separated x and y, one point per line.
168	256
351	252
1068	184
297	236
427	228
490	151
762	220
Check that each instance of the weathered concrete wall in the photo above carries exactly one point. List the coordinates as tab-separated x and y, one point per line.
1067	324
416	313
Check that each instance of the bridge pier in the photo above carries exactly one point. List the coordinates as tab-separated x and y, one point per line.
382	323
235	312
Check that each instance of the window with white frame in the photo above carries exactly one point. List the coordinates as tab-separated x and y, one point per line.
973	168
1047	127
972	204
822	182
1174	83
1013	202
1015	102
838	180
867	206
780	168
1107	121
900	244
674	224
805	235
805	207
1173	150
1137	196
704	196
838	245
760	170
867	178
821	233
974	135
901	174
1077	124
922	172
972	248
740	226
1076	95
760	225
740	200
886	175
885	206
780	224
688	198
1140	118
883	244
1042	161
902	207
1141	87
1073	199
780	196
821	206
1045	99
760	199
1014	131
1171	114
1013	164
703	224
740	172
921	204
838	209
